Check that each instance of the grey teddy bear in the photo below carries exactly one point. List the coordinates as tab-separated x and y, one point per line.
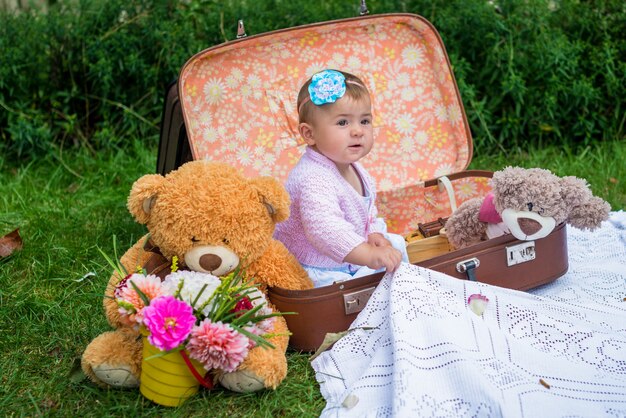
527	203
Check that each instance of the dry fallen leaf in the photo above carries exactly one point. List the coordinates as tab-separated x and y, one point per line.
331	338
10	243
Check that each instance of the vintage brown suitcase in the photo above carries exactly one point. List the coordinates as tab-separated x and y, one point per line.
333	308
174	149
238	103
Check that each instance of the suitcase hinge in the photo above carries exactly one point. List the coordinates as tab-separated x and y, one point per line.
468	267
363	9
241	30
355	301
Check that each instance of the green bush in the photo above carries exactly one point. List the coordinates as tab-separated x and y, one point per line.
92	73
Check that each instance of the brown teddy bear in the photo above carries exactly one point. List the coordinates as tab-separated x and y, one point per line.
213	220
527	203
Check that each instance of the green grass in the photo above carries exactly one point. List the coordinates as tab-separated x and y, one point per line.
69	205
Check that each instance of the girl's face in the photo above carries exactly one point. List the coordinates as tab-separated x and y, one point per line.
342	131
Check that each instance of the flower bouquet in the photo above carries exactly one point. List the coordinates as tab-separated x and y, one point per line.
192	323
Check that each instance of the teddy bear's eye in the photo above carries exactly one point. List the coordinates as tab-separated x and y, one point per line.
194	239
225	241
530	206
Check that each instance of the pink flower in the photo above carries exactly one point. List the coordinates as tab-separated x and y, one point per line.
267	324
217	346
169	321
256	330
150	286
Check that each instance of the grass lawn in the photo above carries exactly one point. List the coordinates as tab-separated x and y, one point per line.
69	205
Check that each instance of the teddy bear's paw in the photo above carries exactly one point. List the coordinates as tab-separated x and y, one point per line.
119	376
242	381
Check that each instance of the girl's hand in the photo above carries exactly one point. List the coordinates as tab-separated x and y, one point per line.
375	258
378	240
387	257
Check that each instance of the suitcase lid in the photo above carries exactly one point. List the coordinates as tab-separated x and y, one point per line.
239	98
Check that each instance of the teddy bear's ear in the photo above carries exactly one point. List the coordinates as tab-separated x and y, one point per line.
143	196
274	196
508	177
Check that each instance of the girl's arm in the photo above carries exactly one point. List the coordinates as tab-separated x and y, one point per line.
324	223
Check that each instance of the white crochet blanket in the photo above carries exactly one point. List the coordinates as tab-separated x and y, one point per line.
557	351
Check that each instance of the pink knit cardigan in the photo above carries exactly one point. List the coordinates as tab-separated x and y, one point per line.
328	217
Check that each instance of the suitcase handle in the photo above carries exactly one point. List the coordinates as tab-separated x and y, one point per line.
468	267
444	183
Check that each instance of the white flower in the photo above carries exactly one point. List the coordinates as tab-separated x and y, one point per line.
273	106
385	184
237	74
123	17
412	56
404	124
193	282
231	81
254	81
241	135
209	135
444	170
258	165
257	298
244	156
314	68
407	144
441	113
407	94
466	189
338	58
269	159
454	114
205	118
354	62
245	90
421	138
213	91
403	79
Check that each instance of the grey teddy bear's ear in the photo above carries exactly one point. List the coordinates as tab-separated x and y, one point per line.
585	210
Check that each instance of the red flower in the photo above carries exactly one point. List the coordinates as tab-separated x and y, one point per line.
243	305
122	284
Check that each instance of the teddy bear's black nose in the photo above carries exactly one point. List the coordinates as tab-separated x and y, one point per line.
210	262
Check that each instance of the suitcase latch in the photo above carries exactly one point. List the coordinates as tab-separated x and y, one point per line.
468	267
355	301
520	253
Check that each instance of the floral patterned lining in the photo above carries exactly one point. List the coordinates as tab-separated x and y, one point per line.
239	101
